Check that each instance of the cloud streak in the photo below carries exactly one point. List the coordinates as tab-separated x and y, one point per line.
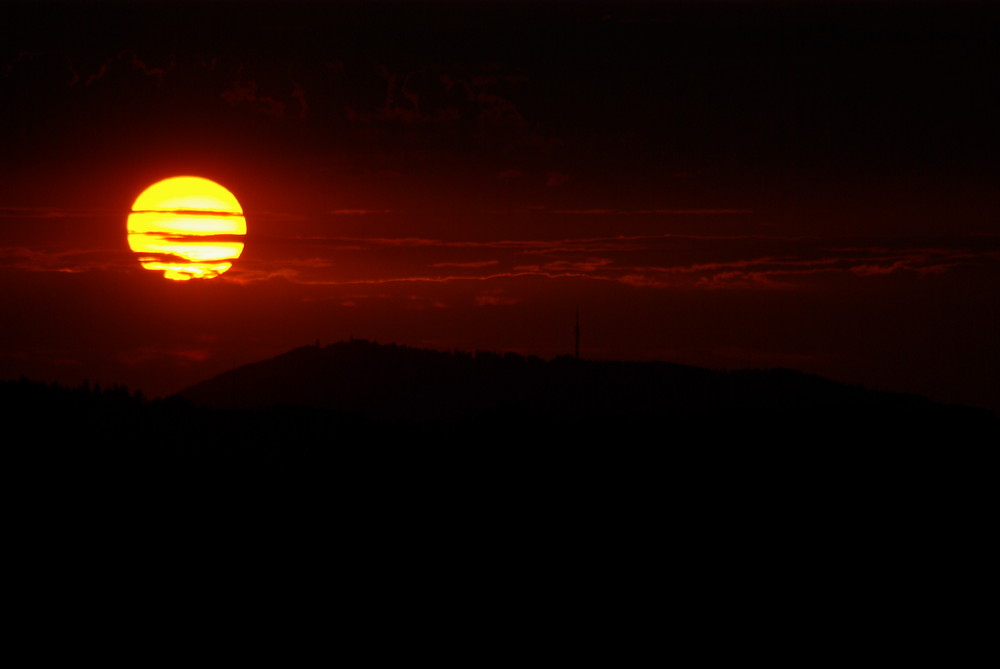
665	261
668	261
23	213
646	212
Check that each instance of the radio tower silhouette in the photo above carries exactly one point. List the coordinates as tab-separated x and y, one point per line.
576	331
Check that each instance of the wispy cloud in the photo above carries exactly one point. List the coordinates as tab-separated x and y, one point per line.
665	261
68	261
495	298
646	212
21	213
649	261
360	212
182	355
475	264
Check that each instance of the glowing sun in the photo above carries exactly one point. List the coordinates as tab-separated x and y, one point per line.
186	227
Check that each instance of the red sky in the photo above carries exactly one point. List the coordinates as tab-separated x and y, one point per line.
732	185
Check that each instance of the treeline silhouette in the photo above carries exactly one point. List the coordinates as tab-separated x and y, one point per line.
357	429
517	400
357	397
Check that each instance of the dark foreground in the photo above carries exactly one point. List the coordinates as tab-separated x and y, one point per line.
84	443
730	531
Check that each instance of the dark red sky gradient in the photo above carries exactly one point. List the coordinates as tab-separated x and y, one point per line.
809	185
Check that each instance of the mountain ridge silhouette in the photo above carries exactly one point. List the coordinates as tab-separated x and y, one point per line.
389	382
405	434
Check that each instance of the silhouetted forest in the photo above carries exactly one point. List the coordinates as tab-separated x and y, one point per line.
356	398
511	397
358	430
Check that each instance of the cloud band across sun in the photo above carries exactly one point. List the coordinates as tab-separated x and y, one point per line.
187	227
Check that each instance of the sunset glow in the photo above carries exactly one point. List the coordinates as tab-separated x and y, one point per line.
743	185
186	227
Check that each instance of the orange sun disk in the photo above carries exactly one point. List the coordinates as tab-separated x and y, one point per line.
186	227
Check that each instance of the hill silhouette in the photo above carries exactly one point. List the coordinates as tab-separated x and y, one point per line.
351	399
399	385
371	442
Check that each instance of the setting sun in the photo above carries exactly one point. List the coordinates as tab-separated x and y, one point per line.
186	227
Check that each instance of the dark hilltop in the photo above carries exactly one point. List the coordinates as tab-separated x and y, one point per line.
498	397
344	396
358	428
